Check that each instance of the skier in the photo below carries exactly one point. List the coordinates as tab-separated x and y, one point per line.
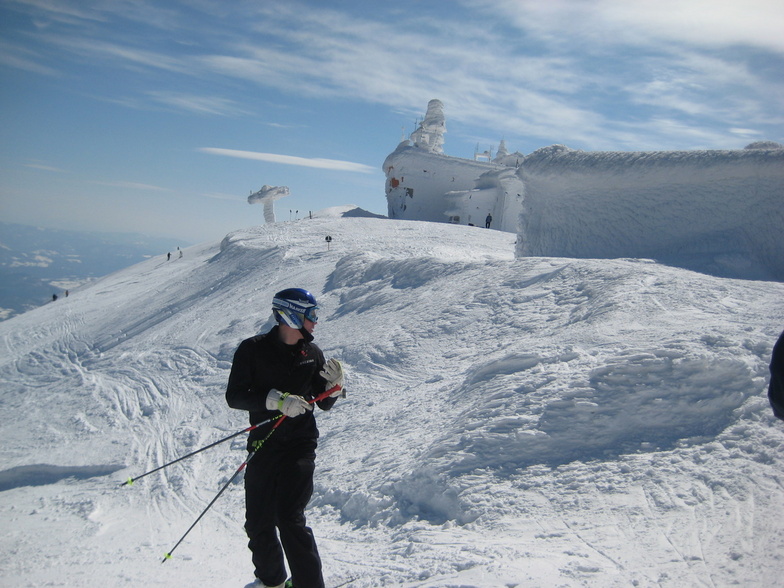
488	220
776	388
282	372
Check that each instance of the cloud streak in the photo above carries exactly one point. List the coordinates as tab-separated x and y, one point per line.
199	104
329	164
44	167
133	186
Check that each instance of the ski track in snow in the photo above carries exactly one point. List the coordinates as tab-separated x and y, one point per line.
509	422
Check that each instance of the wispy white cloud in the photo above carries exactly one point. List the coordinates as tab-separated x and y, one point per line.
223	196
331	164
124	55
44	167
133	186
66	11
705	23
199	104
15	56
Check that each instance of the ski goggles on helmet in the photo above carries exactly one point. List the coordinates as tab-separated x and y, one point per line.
311	314
293	313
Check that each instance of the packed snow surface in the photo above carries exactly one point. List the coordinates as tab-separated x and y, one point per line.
509	422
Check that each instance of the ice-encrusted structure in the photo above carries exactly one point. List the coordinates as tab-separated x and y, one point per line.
267	196
721	212
429	136
716	211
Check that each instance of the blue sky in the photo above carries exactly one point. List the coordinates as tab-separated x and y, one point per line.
162	117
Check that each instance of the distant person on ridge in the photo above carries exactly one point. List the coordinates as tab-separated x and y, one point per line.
776	388
488	220
282	373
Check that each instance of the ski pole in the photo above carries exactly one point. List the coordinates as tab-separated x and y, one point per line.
280	420
130	481
226	485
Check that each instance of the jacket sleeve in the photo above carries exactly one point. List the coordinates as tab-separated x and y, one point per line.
240	391
327	403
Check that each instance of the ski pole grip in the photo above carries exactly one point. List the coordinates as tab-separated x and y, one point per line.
326	394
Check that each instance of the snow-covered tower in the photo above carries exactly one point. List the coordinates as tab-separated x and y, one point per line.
502	152
267	196
430	134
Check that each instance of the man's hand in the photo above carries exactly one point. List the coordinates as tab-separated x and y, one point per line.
333	374
289	404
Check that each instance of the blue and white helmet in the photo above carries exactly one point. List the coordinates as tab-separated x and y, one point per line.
293	305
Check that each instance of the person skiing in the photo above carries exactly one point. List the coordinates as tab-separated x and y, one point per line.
282	372
488	220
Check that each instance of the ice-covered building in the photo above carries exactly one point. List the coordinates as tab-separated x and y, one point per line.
421	180
717	211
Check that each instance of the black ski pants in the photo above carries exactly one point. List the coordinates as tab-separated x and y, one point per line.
278	486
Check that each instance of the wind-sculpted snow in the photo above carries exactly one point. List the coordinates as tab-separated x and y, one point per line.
529	422
639	403
42	474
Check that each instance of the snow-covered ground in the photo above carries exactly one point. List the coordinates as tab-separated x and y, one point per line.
509	422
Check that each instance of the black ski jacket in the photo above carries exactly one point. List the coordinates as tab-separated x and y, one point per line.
264	362
776	388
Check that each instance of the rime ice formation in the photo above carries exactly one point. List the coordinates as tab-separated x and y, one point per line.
715	211
430	134
267	196
721	212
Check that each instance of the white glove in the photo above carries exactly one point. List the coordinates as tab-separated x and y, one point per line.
333	374
289	404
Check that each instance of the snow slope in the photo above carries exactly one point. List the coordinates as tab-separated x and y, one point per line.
509	422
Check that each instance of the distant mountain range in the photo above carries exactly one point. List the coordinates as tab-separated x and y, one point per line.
38	263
